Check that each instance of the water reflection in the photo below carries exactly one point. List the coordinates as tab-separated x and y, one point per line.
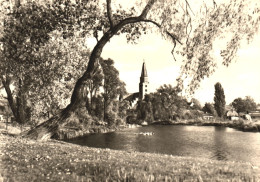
196	141
219	146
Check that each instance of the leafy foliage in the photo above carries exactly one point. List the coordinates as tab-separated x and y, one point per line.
196	104
65	61
43	52
209	108
164	105
145	110
114	89
219	100
244	105
231	22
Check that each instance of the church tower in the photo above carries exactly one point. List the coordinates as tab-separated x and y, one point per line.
143	85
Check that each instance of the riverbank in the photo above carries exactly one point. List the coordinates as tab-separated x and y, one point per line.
29	160
70	133
242	125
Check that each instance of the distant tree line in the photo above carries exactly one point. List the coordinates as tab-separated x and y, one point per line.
166	104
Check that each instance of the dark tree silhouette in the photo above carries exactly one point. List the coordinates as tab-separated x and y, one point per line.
219	100
244	105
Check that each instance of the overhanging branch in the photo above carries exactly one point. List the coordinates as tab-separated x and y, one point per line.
173	37
96	52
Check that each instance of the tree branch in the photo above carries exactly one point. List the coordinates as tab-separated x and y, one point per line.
215	4
96	52
95	34
187	4
109	14
147	8
188	33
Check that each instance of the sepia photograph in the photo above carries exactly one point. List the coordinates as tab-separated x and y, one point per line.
138	90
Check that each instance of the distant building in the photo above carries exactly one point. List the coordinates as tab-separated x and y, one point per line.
232	115
143	88
208	117
255	114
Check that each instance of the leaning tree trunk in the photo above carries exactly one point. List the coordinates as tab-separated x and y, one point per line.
49	127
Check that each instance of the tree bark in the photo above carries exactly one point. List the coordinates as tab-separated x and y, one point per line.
6	84
18	107
49	127
20	104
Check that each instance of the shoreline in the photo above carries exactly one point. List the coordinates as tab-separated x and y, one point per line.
67	133
25	160
244	126
73	133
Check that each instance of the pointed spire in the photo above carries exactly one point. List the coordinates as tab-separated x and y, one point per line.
144	71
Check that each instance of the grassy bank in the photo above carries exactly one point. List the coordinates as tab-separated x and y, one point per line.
29	160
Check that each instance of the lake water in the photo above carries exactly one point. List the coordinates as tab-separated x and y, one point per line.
210	142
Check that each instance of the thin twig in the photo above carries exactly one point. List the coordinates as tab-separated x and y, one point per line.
187	3
174	37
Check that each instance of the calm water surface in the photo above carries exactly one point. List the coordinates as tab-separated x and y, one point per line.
196	141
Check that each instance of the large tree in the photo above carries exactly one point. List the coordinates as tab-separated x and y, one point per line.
192	33
209	108
219	100
40	60
165	103
113	87
244	105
